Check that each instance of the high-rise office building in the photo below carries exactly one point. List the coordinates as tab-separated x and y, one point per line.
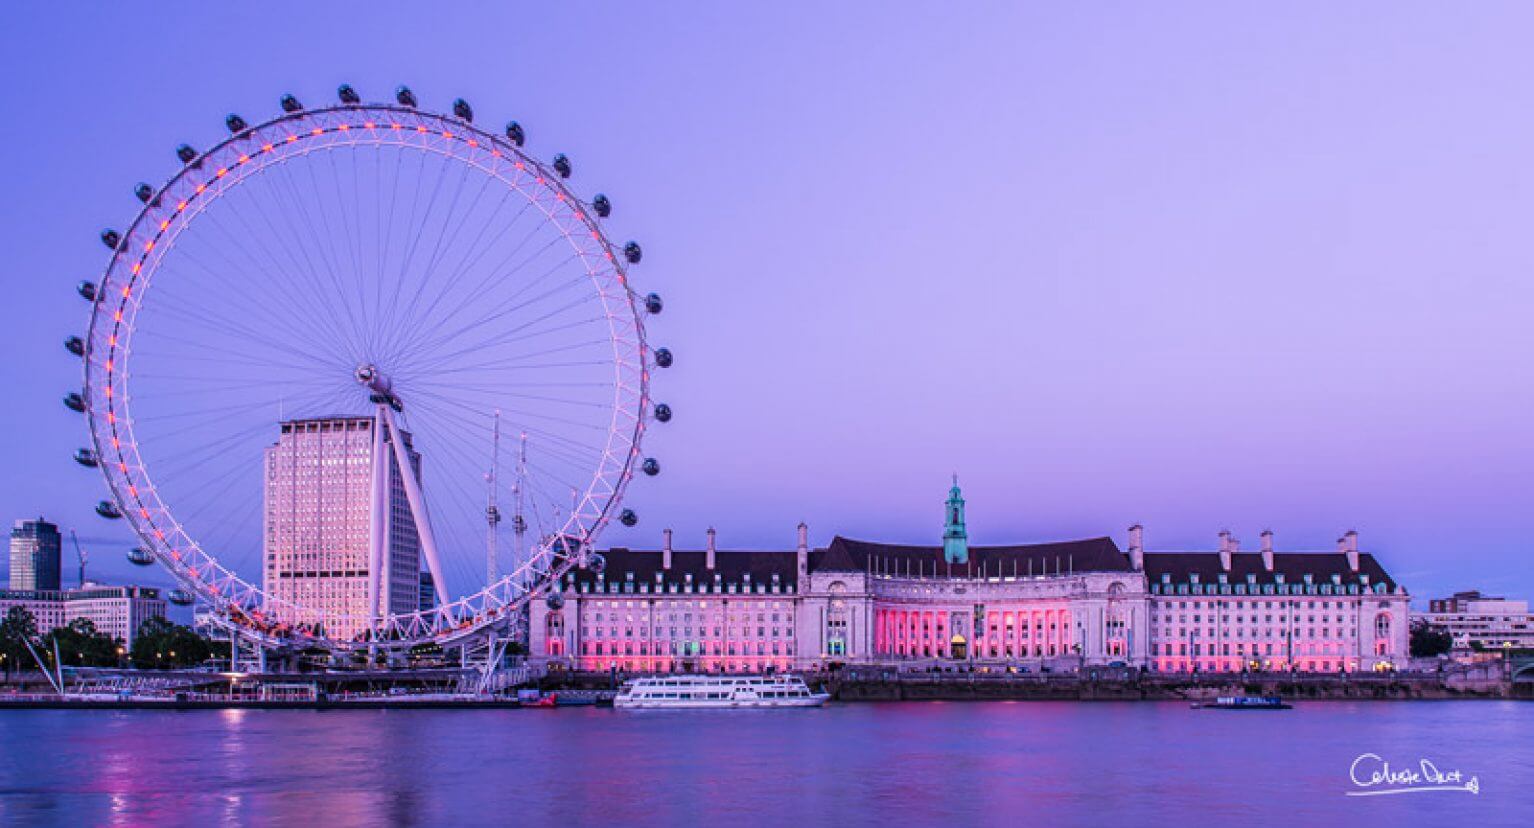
318	520
35	550
428	591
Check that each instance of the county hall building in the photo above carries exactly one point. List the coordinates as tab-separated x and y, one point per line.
1048	607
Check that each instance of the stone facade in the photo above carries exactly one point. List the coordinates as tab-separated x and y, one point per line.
118	611
1047	607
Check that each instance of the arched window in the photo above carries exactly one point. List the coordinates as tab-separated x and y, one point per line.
836	620
1382	634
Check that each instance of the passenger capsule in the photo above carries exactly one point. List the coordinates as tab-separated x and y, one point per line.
663	412
74	402
179	597
663	357
653	304
87	290
651	466
404	96
633	252
515	134
290	104
139	556
236	124
75	345
108	510
627	518
602	206
462	109
86	457
111	238
186	153
562	165
348	95
556	600
143	192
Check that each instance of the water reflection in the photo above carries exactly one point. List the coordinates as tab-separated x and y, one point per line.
897	764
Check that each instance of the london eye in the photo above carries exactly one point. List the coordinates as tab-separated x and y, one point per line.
367	375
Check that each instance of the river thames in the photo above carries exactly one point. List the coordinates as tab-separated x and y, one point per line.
924	763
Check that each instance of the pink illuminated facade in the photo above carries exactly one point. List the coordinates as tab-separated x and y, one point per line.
319	477
1061	605
1033	608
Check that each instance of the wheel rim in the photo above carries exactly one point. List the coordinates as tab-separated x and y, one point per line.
258	343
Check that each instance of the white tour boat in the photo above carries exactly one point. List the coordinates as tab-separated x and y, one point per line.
718	691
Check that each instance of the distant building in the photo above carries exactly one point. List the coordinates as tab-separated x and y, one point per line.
118	611
1481	623
36	548
1046	607
319	480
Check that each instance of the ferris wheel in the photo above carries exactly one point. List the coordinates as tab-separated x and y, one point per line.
336	351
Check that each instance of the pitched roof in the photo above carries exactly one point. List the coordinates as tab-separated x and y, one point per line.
1294	566
731	566
1090	555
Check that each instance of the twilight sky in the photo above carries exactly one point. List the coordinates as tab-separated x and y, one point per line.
1188	265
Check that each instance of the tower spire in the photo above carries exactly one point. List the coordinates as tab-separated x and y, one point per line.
955	537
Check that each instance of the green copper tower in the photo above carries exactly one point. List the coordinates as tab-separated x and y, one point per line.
955	538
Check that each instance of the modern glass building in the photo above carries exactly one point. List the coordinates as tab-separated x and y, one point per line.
319	477
35	550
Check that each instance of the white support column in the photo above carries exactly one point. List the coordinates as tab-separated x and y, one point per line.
417	506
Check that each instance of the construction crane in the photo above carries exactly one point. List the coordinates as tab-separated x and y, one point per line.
79	553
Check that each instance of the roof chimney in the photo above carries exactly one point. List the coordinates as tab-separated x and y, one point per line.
1267	549
1350	548
1225	550
665	551
1137	546
710	561
803	556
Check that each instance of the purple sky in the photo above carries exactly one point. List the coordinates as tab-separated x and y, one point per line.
1191	266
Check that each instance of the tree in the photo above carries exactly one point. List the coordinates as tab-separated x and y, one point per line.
82	645
17	628
1428	641
163	645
